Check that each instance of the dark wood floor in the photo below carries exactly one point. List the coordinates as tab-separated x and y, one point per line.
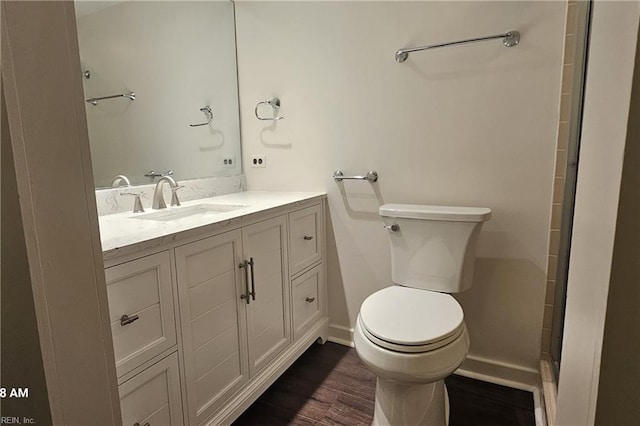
329	385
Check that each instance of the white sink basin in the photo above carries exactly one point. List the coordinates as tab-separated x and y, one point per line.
175	213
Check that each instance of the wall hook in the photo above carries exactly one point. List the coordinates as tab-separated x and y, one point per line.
275	104
208	112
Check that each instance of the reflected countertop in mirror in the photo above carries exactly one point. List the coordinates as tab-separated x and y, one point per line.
177	58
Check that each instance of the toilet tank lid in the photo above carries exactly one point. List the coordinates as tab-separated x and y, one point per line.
444	213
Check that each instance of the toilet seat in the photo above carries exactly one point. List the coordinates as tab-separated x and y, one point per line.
409	320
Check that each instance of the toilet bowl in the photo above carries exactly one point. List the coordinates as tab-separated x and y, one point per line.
411	340
412	334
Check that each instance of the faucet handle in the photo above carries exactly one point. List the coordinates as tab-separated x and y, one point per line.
137	203
174	195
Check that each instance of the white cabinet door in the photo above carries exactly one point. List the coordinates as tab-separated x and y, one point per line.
268	313
141	310
213	321
153	396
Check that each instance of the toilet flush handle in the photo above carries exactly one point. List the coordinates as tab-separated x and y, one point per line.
393	228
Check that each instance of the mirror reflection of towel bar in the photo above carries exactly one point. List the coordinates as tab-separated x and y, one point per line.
371	176
275	104
130	95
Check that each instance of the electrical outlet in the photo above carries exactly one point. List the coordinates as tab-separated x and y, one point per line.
258	161
229	162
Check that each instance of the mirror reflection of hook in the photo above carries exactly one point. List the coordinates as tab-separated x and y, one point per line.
275	104
208	112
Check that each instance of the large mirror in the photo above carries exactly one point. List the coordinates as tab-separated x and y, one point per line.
167	73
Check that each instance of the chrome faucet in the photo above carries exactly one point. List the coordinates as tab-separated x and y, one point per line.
158	197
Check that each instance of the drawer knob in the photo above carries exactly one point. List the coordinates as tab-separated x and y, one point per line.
310	299
126	319
307	237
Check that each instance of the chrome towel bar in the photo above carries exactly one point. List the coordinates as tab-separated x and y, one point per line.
94	101
371	176
510	39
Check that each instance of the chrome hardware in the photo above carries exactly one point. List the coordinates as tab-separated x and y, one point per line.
126	319
393	228
94	101
174	195
371	176
275	104
247	296
208	112
87	74
510	39
152	174
120	179
310	299
308	237
158	198
137	204
253	279
138	424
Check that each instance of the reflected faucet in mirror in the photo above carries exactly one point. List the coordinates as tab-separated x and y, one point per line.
120	180
158	197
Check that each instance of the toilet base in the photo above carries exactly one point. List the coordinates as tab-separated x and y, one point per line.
401	404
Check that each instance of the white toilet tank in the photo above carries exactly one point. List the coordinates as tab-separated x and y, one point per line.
434	247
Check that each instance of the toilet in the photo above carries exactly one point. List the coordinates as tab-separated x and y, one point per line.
412	334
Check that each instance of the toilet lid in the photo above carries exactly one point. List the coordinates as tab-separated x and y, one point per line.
411	320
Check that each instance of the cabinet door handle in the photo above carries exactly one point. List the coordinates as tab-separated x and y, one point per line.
245	265
310	299
126	319
138	424
253	279
308	237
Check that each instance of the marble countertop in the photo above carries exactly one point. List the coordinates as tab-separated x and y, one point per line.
127	232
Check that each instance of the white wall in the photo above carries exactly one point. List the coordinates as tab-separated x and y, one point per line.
612	50
473	125
177	57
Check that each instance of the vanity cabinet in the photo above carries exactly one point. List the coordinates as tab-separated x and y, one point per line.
153	396
268	313
234	307
305	238
213	318
307	299
143	327
249	299
141	310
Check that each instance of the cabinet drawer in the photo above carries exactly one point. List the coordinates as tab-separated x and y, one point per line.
141	288
307	299
153	396
305	238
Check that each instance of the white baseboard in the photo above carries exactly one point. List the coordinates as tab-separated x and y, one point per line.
341	335
500	373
